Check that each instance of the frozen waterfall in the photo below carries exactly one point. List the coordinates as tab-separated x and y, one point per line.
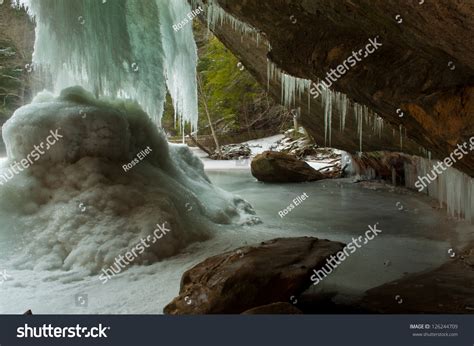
108	65
120	48
81	207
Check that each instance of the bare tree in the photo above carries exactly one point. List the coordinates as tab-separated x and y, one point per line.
203	98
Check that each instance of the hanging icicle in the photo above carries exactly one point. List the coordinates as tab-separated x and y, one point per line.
378	126
401	136
69	45
327	100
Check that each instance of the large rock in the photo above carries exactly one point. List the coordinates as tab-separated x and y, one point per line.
251	276
276	167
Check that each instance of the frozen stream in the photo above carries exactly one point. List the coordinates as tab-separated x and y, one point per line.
416	236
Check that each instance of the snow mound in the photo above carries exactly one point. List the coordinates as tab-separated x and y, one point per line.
80	206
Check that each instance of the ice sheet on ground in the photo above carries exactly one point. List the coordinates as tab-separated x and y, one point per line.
413	239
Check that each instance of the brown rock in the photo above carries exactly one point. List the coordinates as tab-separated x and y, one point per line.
277	167
279	308
251	276
447	289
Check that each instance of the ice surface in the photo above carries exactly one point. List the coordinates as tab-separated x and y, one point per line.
413	239
79	206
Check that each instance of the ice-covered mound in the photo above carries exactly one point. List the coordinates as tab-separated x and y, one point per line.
82	207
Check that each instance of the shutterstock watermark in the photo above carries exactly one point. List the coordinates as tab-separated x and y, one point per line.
341	256
351	61
122	261
31	158
443	165
48	331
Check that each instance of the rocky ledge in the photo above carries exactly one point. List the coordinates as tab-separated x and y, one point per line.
420	80
251	277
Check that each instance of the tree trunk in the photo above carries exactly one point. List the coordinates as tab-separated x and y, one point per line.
204	102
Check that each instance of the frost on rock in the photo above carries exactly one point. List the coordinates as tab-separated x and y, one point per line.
79	206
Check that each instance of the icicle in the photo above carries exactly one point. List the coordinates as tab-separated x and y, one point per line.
338	101
343	111
272	71
451	188
217	15
378	126
358	112
269	73
355	166
361	124
180	60
365	111
69	45
401	137
327	99
309	101
329	115
290	87
182	133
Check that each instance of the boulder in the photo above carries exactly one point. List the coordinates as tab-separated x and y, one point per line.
251	276
277	167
